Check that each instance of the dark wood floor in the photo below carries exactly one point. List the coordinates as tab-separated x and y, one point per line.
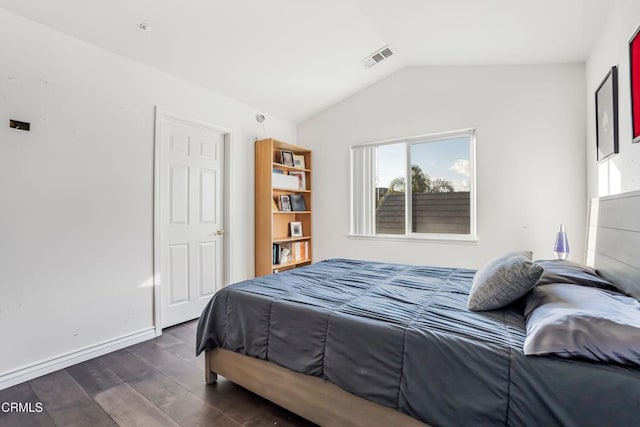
155	383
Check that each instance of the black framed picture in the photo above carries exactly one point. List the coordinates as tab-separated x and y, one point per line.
297	202
286	158
285	203
607	115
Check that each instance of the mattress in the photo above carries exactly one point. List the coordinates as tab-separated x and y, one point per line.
401	336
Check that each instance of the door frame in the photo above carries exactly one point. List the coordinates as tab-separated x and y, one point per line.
160	115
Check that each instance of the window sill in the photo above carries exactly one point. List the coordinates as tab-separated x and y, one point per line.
444	239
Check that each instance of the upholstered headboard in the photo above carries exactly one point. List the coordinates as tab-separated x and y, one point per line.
614	238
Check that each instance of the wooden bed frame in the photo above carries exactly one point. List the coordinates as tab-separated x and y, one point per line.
615	238
310	397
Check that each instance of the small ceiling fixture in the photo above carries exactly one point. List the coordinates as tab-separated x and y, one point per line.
260	119
144	26
378	56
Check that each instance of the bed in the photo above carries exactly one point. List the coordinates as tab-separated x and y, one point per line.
348	342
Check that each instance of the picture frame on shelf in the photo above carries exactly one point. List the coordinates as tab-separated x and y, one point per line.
298	161
296	228
286	157
607	116
285	253
302	180
297	203
285	203
634	72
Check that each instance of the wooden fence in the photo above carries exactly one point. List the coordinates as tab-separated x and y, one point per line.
447	213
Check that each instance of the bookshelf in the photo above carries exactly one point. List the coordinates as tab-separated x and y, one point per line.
274	179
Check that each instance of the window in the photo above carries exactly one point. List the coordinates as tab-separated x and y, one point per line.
438	203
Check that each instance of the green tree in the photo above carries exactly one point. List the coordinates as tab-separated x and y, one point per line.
420	182
397	185
441	186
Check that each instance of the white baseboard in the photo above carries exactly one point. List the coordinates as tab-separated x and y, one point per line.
43	367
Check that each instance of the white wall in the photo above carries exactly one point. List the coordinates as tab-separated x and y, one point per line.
76	191
621	172
530	123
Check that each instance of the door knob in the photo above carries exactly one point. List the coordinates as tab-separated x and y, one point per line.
220	232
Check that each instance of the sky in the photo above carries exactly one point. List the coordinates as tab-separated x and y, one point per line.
447	159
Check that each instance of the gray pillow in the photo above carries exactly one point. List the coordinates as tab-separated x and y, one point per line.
578	321
559	271
502	281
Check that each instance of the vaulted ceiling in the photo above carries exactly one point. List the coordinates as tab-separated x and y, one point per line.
294	58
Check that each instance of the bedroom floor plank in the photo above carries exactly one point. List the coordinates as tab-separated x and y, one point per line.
126	365
235	402
94	377
187	354
130	408
272	415
163	373
180	341
239	405
185	332
22	393
167	339
183	373
188	410
148	381
67	402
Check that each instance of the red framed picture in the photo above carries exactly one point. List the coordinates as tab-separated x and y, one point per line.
634	66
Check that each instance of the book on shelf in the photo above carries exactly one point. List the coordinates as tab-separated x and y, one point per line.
300	250
297	250
283	253
276	254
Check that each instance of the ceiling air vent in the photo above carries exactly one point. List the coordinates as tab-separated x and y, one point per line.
377	56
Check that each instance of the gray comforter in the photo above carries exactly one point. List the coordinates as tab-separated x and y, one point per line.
401	336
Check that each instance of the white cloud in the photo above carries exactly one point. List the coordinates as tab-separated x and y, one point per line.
386	175
461	167
461	185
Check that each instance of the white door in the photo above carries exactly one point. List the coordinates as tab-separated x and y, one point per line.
190	216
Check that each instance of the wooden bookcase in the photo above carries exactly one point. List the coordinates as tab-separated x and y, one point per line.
272	226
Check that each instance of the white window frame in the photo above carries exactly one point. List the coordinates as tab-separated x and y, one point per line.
470	238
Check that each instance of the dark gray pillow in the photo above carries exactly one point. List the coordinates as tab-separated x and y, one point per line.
578	321
502	281
559	271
